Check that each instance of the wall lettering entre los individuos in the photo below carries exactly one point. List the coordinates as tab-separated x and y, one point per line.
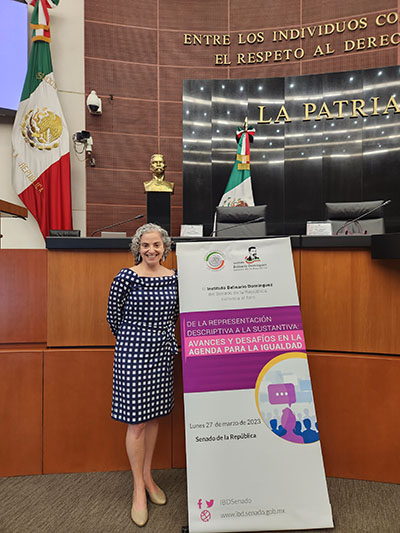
291	35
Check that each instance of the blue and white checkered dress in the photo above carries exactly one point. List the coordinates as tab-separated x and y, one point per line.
142	312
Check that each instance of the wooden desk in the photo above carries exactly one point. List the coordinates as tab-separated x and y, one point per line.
7	209
350	315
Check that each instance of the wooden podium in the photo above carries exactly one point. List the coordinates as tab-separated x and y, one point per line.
8	209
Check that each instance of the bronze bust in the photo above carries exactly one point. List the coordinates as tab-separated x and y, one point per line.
158	183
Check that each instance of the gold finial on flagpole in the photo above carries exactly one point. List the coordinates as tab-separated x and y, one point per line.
246	123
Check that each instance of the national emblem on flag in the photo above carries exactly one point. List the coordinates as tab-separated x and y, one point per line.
238	190
40	140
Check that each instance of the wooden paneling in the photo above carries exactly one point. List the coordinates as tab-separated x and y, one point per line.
79	283
317	10
261	13
118	187
119	12
121	114
120	42
207	15
101	215
118	78
296	264
349	301
20	413
79	434
23	288
124	152
171	120
357	401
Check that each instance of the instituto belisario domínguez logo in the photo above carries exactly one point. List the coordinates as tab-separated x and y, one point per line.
251	260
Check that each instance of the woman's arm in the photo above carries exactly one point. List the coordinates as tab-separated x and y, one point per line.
116	300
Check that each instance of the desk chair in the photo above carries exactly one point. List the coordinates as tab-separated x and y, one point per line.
237	221
341	215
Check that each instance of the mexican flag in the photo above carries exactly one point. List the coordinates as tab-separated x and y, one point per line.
238	191
40	140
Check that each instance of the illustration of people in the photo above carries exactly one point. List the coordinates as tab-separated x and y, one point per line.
253	256
309	435
311	417
275	429
288	421
297	428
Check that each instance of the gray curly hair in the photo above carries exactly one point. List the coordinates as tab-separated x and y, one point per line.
137	238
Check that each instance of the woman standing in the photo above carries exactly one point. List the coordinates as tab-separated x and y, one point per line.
142	311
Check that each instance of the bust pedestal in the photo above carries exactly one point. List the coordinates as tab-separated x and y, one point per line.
159	209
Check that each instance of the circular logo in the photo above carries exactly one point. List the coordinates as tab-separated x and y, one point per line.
42	129
205	515
215	260
284	398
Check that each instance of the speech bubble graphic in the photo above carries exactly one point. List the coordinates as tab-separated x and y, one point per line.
281	393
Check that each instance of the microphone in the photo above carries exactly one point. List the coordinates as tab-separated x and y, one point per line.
117	224
258	219
355	220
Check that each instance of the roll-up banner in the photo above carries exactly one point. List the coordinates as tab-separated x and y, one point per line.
254	459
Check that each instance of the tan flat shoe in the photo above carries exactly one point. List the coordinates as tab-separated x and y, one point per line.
158	497
140	518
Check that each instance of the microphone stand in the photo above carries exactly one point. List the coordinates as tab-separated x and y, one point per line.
355	220
117	224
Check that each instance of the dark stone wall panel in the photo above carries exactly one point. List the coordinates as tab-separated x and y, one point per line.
171	79
299	164
362	60
204	16
259	14
172	150
269	70
176	220
176	178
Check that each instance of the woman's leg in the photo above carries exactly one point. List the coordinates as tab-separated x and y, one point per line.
135	448
151	433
